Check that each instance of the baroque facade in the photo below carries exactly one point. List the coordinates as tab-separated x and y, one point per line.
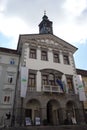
49	60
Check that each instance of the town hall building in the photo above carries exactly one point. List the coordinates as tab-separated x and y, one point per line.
51	93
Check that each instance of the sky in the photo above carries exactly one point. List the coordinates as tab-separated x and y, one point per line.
69	19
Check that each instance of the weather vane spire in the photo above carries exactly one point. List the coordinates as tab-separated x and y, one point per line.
44	12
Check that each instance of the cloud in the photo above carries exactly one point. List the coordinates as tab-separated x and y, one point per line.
31	11
75	7
73	29
23	16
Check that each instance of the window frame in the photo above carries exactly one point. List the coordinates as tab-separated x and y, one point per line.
10	79
33	53
32	80
0	58
7	97
44	55
56	57
44	80
51	79
12	61
66	59
70	84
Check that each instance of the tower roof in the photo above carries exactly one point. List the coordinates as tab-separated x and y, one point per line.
45	25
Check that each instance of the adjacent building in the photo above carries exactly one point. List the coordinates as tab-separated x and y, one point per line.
83	73
8	76
52	88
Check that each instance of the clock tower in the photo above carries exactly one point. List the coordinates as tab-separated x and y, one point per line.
45	26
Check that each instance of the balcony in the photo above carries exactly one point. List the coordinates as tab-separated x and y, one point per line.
51	88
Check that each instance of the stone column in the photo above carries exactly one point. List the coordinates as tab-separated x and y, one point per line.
43	114
38	80
61	57
80	114
63	111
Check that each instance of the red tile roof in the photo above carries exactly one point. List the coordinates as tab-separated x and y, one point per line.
7	50
81	72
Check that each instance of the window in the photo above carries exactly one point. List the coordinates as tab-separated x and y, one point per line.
84	83
56	57
66	59
33	53
44	79
12	61
44	55
70	84
48	79
32	80
10	79
0	58
6	99
86	94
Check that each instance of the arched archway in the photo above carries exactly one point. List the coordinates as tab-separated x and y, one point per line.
32	109
53	115
71	110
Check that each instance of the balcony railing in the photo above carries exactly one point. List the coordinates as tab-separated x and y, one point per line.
51	88
32	89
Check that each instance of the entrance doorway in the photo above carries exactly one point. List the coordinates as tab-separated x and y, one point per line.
71	110
32	109
52	112
28	113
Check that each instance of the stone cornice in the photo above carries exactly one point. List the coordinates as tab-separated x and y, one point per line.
41	40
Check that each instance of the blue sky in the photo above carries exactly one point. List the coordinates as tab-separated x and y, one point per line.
69	22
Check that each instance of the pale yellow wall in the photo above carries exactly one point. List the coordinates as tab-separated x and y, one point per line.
85	88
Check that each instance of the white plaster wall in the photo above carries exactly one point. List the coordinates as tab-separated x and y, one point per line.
39	64
12	69
6	67
6	59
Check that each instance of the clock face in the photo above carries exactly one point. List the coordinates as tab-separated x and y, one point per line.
48	29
